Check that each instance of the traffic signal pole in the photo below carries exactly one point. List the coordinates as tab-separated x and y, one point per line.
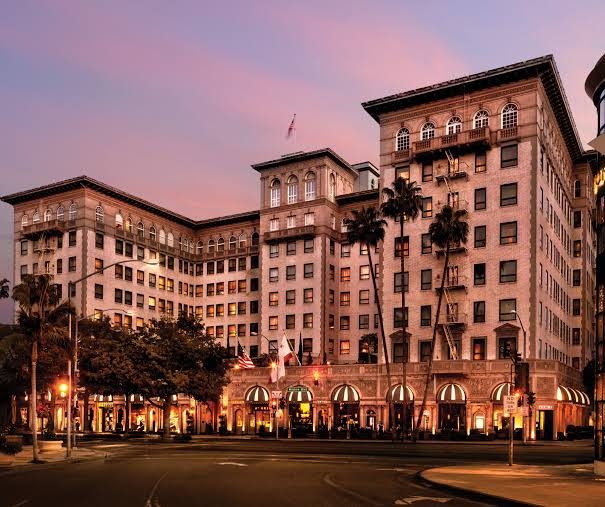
511	420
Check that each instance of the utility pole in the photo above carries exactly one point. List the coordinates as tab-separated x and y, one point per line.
511	420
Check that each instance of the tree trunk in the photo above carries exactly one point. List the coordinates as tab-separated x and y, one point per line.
166	409
434	339
127	421
403	336
33	401
384	340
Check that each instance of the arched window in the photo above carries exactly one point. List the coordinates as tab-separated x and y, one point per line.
210	246
454	125
181	243
48	215
509	116
255	239
24	221
99	214
243	240
61	213
152	234
332	186
481	119
199	249
292	189
232	243
220	244
162	237
170	239
310	186
73	211
140	230
577	188
427	131
129	225
275	193
402	139
36	218
119	222
343	225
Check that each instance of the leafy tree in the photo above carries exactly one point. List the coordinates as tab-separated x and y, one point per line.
367	228
448	229
403	202
180	358
4	289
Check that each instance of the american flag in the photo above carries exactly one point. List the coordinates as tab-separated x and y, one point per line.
291	128
244	362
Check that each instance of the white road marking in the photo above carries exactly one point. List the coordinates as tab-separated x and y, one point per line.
411	499
156	502
328	480
23	502
393	469
107	446
232	463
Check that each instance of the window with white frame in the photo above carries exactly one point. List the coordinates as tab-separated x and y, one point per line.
291	222
48	215
481	119
199	247
309	218
454	125
36	218
274	224
60	213
310	186
275	193
73	211
140	230
343	225
211	246
129	225
243	240
232	243
402	139
332	187
509	116
292	189
220	244
427	131
152	233
24	221
119	222
162	237
99	214
170	239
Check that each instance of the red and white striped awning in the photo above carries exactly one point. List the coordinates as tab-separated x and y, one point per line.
397	393
451	393
303	395
257	394
571	395
345	394
500	391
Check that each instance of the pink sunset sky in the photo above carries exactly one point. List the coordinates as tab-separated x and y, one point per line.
173	101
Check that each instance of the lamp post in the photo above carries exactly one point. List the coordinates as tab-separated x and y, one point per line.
70	285
524	358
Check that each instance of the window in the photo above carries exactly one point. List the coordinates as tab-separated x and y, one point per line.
478	311
577	219
332	247
274	224
481	119
71	267
73	212
345	299
398	282
425	350
99	214
24	247
480	162
310	186
345	347
398	317
331	296
273	251
426	279
454	125
232	243
364	297
577	277
508	156
479	349
506	309
506	347
292	186
118	296
308	320
309	218
427	171
480	198
273	274
332	188
275	193
308	295
402	140
577	248
98	265
427	131
403	172
577	189
509	116
345	250
151	303
72	238
508	271
427	244
427	207
98	291
59	266
290	272
290	222
576	307
309	270
508	194
508	233
99	240
479	273
364	272
309	245
273	323
290	297
60	214
425	315
290	321
405	245
480	236
345	274
575	336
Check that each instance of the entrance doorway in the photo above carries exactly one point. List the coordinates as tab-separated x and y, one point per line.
544	425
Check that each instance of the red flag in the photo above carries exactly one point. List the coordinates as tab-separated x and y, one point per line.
291	128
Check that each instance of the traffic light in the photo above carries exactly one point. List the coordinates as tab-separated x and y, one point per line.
282	403
522	377
274	405
520	401
531	398
516	357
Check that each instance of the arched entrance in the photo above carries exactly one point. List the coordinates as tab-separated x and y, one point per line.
402	399
300	410
451	400
259	415
498	420
239	421
345	401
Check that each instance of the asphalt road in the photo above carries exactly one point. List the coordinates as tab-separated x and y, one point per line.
250	473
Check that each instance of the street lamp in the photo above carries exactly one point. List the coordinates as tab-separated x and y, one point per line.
524	333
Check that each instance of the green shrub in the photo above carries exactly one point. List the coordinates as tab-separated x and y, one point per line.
11	448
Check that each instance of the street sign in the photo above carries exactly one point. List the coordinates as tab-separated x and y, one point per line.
298	389
525	411
277	395
510	403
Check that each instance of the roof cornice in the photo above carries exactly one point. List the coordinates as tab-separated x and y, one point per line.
303	156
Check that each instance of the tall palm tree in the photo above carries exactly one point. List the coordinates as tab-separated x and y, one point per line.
367	228
403	201
448	229
40	317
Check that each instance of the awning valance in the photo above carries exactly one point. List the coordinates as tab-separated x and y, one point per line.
397	393
500	391
299	394
345	394
572	395
451	393
257	394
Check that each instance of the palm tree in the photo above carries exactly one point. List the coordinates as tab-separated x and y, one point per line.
367	228
4	292
448	229
403	202
40	317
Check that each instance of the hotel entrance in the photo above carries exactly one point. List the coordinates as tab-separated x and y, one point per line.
544	423
257	406
300	410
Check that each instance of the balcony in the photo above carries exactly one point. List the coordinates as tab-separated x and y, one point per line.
456	204
306	231
451	283
401	156
508	134
450	175
463	141
454	319
48	228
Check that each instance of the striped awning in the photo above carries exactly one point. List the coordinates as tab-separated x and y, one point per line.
345	394
397	393
451	393
257	394
303	395
572	395
500	391
136	398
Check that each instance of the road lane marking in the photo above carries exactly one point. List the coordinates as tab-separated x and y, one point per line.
156	503
394	469
328	480
23	502
233	463
411	499
106	446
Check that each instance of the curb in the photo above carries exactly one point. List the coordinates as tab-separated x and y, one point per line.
44	465
470	494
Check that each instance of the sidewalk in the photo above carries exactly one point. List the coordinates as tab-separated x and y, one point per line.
523	484
24	458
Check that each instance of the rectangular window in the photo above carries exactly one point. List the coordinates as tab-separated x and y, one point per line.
241	308
403	172
508	271
128	297
506	347
273	251
427	245
273	275
310	218
241	264
508	194
427	171
59	266
398	317
128	250
479	273
331	296
151	302
507	308
308	295
427	207
345	274
575	336
231	287
364	272
345	299
425	315
290	297
24	247
273	323
274	224
425	350
364	321
577	307
480	162
290	321
577	248
577	277
345	347
232	265
118	296
290	222
426	279
254	262
98	265
405	246
291	248
480	198
290	272
508	233
364	297
99	240
479	349
273	298
345	250
508	156
332	272
577	219
72	238
127	274
71	264
309	270
480	236
345	323
98	291
397	285
309	245
140	277
479	311
307	320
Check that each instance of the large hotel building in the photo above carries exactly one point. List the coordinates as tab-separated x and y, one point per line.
501	144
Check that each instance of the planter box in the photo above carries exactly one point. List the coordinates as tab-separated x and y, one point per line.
49	445
14	439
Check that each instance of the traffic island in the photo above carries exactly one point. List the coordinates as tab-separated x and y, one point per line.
521	484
